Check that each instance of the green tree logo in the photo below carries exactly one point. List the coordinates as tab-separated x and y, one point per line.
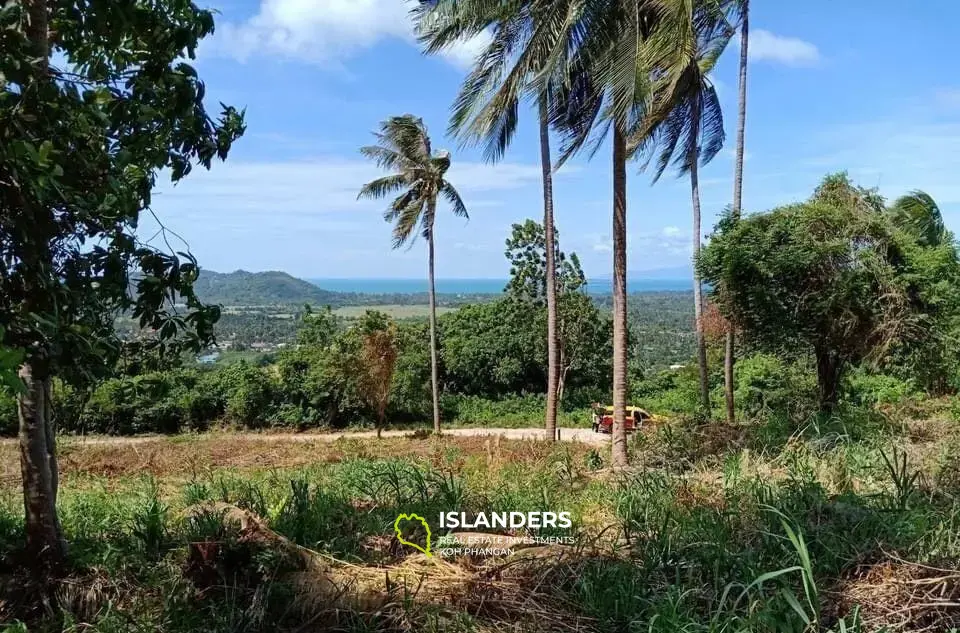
399	531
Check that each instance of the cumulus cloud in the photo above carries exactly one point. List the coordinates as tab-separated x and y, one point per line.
792	51
326	31
323	185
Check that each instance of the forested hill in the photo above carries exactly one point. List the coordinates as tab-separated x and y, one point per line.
242	288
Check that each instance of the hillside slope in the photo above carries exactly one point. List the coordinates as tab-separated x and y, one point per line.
242	288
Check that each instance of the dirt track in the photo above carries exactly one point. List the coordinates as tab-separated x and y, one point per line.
585	436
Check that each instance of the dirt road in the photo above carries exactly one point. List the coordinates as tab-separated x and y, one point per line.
585	436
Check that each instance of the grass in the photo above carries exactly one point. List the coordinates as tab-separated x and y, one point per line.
716	529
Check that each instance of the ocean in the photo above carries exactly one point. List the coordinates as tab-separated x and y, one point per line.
482	286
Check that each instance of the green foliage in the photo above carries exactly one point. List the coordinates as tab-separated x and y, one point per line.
87	145
829	277
241	288
526	252
768	384
10	360
403	146
491	349
871	389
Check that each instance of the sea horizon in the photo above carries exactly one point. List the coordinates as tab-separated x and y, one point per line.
477	286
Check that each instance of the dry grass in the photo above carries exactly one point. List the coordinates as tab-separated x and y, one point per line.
897	595
185	456
499	592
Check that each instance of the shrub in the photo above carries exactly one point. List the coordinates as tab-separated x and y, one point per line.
8	414
767	383
866	389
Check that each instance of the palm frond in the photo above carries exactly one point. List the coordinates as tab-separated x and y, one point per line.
384	157
452	196
404	230
382	187
404	146
919	214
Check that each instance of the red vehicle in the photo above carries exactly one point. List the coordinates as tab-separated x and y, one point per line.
603	419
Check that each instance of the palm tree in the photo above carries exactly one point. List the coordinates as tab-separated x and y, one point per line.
591	59
685	124
610	55
486	109
918	214
744	10
403	147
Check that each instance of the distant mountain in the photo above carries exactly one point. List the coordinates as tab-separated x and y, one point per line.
242	288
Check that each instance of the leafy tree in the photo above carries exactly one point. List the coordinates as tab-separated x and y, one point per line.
579	321
403	146
317	329
933	271
526	250
825	276
377	362
684	125
487	109
81	148
493	349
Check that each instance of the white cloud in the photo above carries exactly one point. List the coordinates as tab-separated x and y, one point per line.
792	51
897	155
672	231
326	32
322	186
464	53
601	243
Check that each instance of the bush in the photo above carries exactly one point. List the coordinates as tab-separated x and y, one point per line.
766	383
9	424
670	391
866	389
249	394
511	410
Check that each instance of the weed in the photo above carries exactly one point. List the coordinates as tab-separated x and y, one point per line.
904	479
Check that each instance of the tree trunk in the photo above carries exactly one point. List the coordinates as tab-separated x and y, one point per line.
553	374
829	370
619	435
729	359
46	548
694	160
38	466
434	372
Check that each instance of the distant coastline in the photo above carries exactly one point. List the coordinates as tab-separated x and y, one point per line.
481	286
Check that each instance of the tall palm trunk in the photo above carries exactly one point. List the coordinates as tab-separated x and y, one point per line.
434	372
553	373
619	438
697	285
46	548
729	359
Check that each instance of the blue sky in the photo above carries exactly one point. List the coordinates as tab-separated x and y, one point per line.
865	86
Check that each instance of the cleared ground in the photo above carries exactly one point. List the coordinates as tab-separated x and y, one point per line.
188	454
